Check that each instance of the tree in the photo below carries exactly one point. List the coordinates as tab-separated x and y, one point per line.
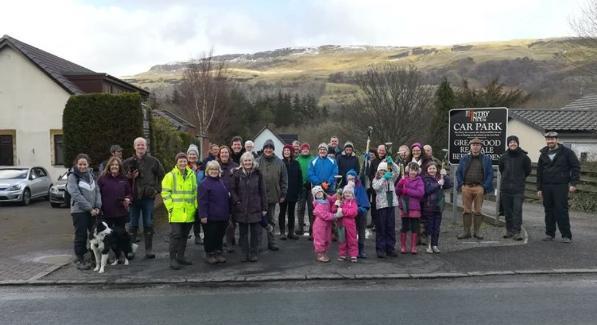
393	100
445	100
493	94
585	46
204	96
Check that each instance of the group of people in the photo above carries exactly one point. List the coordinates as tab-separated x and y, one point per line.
237	188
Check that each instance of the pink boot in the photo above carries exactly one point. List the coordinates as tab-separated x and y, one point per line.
402	243
413	243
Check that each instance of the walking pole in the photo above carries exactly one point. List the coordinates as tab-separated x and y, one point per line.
498	196
454	194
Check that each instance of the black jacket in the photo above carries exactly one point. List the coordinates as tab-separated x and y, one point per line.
295	180
514	166
248	196
151	173
564	169
346	163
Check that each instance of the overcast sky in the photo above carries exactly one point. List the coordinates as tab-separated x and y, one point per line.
128	37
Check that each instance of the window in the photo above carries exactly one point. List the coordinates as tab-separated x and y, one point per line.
6	150
58	150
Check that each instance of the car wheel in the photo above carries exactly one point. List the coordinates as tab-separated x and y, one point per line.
55	205
26	197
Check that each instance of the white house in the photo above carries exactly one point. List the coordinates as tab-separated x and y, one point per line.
279	140
34	88
576	124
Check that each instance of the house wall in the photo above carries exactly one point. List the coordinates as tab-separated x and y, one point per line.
31	104
579	146
264	136
531	139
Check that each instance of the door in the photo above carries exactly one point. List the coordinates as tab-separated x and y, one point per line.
6	150
36	182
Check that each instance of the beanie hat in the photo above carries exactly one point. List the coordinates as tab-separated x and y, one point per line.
512	138
316	189
269	143
193	148
416	144
322	146
382	166
351	173
348	188
305	146
114	148
348	144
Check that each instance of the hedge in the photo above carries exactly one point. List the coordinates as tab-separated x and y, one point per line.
167	142
92	123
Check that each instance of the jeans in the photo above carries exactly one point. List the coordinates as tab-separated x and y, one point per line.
555	202
385	230
432	226
214	234
305	199
249	247
142	207
271	210
83	223
512	207
286	205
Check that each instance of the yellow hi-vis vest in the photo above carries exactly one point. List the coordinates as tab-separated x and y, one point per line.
180	195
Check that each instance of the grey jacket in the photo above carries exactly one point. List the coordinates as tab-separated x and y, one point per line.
85	195
274	172
381	187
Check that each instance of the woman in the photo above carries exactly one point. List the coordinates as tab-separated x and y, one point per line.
197	168
179	192
295	180
85	205
228	166
116	196
249	205
214	212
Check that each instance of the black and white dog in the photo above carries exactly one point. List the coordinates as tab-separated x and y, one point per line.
104	239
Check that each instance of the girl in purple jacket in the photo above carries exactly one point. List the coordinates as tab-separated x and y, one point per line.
411	191
433	203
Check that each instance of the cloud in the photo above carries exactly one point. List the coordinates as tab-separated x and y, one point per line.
123	38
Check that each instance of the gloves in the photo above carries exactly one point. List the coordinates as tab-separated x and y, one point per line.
325	186
443	172
387	176
366	156
338	203
390	161
338	214
441	181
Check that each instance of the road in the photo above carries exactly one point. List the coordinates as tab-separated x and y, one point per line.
498	300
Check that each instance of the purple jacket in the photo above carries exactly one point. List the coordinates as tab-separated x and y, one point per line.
411	192
113	191
433	202
214	200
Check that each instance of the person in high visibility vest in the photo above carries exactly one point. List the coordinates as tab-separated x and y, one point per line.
179	192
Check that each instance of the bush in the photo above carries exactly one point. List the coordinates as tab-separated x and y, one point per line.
92	123
167	142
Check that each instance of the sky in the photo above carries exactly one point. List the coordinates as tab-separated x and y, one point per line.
129	36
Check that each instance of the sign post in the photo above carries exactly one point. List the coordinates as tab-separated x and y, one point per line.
489	125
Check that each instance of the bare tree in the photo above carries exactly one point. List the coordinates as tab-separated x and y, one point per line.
394	101
204	96
585	26
584	47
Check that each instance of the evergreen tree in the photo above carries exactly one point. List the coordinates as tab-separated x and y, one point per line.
445	100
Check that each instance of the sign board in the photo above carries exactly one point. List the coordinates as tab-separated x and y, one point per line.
488	124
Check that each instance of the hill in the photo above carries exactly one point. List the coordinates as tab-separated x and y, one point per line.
551	70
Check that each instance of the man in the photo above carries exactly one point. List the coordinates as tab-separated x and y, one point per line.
428	152
249	146
323	169
115	151
237	149
305	198
333	148
347	160
474	177
558	171
515	167
276	185
146	173
403	158
381	156
214	150
296	146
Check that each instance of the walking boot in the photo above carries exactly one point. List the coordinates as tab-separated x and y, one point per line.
413	243
173	258
182	247
429	250
467	219
219	257
402	243
211	259
271	242
477	222
133	234
148	235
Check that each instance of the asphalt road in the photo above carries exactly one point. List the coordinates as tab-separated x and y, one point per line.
519	300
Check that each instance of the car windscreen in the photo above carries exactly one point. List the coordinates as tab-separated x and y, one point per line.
12	173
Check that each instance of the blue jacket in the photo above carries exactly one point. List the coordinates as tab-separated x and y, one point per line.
487	172
362	199
323	170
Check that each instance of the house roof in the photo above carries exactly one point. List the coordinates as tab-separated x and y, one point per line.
573	120
278	136
585	103
177	121
288	138
57	68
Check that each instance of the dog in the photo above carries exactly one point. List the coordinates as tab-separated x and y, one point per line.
105	239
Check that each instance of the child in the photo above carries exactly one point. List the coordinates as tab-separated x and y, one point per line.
385	201
411	190
349	213
322	225
433	203
363	203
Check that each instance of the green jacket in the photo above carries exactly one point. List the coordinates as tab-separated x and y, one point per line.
304	162
180	195
275	176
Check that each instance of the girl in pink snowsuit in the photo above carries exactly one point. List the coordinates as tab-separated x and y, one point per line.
349	207
324	215
411	190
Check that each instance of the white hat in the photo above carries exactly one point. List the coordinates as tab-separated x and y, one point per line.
315	190
382	166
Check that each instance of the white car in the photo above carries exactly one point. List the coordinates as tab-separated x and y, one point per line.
21	184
